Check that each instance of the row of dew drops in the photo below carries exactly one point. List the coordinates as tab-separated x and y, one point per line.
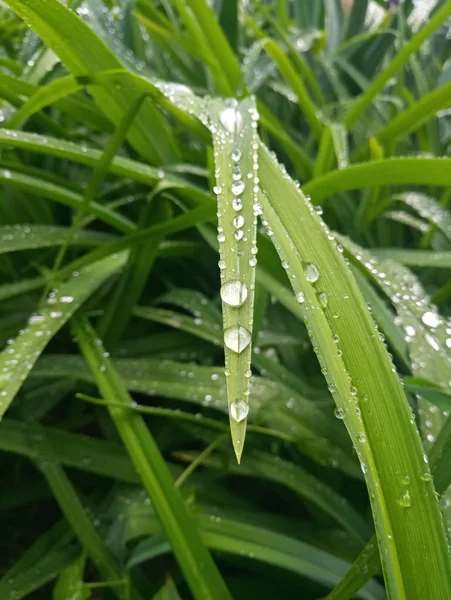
234	292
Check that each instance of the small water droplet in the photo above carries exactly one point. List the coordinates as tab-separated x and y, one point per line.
311	273
300	298
405	500
323	299
237	338
239	410
339	412
239	234
237	204
66	299
235	155
234	293
406	480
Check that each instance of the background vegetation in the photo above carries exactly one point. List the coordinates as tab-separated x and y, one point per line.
118	474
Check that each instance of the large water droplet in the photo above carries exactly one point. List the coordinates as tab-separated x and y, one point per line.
237	204
237	188
311	273
234	293
239	234
431	318
238	221
232	120
239	410
237	338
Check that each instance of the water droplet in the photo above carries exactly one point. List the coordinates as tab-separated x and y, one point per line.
222	264
239	234
239	410
406	480
405	500
253	262
311	273
231	119
234	293
238	221
237	188
300	298
323	299
221	238
236	174
237	204
339	412
431	318
235	155
66	299
426	476
237	338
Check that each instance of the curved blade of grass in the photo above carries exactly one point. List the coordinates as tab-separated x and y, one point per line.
83	52
46	189
26	237
198	567
236	537
428	208
72	508
392	171
415	258
273	468
397	63
19	357
315	432
414	117
366	390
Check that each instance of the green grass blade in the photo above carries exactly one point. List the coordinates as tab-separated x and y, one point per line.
397	63
25	237
19	357
72	508
199	569
370	398
392	171
83	52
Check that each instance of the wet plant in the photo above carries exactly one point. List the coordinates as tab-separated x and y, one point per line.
223	223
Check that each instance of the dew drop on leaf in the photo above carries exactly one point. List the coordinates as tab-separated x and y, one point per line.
234	293
232	120
238	221
239	410
237	338
237	204
431	318
237	187
311	273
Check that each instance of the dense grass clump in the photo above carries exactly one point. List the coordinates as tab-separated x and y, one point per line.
225	247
